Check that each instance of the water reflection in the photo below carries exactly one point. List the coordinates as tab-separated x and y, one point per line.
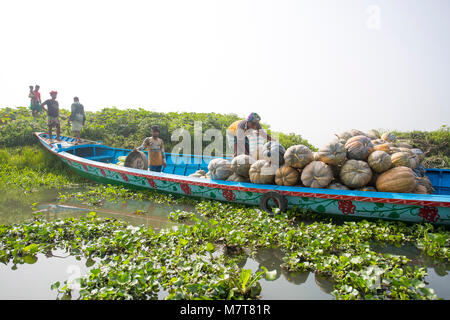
287	285
33	279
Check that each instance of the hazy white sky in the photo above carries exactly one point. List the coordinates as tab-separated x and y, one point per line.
314	67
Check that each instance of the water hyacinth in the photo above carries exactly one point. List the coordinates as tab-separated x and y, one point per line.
137	263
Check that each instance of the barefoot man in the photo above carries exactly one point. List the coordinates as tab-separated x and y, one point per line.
52	114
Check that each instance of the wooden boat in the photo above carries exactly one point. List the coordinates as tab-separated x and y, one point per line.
96	162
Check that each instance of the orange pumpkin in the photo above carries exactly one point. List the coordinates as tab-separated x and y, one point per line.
334	153
381	147
379	161
377	141
413	161
355	173
400	159
420	189
358	147
286	176
398	179
426	183
317	175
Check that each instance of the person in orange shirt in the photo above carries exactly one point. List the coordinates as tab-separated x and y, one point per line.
237	132
156	153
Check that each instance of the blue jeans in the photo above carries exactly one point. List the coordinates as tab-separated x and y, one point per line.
155	168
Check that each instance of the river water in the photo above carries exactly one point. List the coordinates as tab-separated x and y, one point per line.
33	280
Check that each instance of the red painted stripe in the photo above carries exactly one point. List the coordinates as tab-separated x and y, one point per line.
257	190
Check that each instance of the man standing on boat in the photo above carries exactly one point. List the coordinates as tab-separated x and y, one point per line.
156	153
236	133
77	117
52	114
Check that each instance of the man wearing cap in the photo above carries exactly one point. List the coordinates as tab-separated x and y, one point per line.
236	133
52	114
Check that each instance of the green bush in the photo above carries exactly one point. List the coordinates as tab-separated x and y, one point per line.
121	128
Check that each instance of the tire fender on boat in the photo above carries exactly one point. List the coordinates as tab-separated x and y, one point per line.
279	200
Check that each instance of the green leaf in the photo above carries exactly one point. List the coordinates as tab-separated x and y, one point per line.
55	285
270	275
379	205
32	248
30	259
210	247
320	209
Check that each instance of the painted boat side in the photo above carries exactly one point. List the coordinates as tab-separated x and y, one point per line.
394	206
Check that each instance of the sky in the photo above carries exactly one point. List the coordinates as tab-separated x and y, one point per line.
312	67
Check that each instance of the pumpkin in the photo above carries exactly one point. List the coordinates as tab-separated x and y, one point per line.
355	173
373	134
237	178
426	183
388	136
345	135
407	150
286	176
403	145
241	164
420	171
220	169
338	139
298	156
317	175
413	161
419	153
367	188
377	141
333	153
337	186
274	152
358	147
262	172
356	132
400	159
379	161
316	156
420	189
393	150
382	147
398	179
198	174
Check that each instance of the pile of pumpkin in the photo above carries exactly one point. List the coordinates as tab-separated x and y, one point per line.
354	161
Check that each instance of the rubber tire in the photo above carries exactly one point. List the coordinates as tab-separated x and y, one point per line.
277	197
